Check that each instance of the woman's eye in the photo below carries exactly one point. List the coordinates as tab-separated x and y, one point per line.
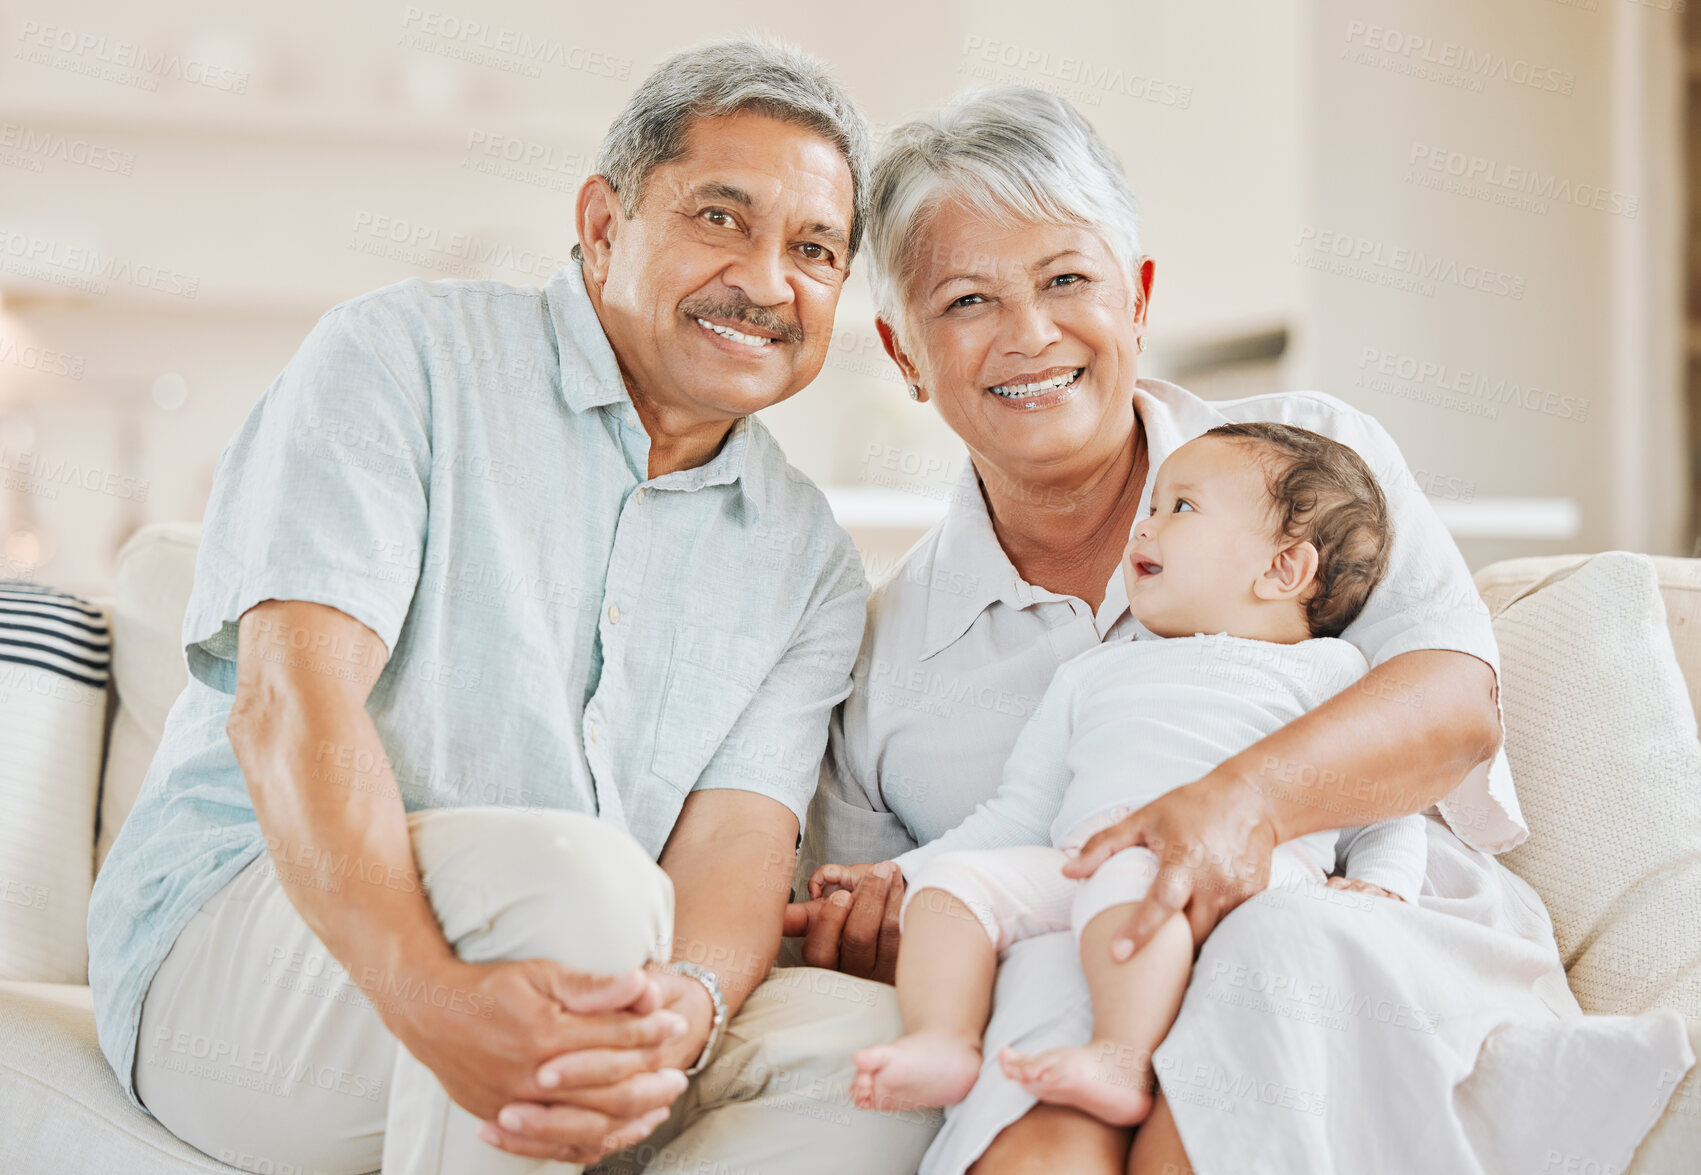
965	300
1068	279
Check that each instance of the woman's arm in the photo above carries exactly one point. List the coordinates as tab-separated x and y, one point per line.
1392	744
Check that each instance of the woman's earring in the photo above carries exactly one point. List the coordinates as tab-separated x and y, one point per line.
1140	342
915	392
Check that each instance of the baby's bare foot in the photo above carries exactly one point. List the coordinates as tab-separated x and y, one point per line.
921	1069
1111	1082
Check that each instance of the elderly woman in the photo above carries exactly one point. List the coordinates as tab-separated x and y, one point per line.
1321	1031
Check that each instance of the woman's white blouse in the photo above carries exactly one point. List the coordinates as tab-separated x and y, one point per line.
959	649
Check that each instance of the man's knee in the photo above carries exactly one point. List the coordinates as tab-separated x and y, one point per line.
815	995
509	883
807	1021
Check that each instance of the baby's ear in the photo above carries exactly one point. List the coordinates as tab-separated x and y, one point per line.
1290	573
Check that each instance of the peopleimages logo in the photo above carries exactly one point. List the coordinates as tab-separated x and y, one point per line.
37	146
1387	371
456	253
500	47
1527	181
1092	77
121	61
45	474
1449	61
1398	266
33	358
87	269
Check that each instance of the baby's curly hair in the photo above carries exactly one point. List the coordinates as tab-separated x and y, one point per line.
1321	492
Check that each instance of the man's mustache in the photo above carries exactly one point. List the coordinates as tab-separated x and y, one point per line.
742	309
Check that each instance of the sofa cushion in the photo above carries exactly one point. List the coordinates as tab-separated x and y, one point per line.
64	1111
1680	591
155	572
54	660
1602	739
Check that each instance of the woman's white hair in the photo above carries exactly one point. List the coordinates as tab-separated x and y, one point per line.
1012	154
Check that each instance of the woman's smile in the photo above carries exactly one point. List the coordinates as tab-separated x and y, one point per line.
1043	389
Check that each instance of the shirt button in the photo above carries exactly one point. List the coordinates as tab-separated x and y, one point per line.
593	732
614	613
639	496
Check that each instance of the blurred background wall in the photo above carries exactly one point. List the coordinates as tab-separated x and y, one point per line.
1465	216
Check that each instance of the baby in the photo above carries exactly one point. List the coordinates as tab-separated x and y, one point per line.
1268	536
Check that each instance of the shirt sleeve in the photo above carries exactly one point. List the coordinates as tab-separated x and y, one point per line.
1392	854
1030	796
321	496
1426	600
774	748
845	826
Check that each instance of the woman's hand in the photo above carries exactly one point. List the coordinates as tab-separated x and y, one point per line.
1213	840
1354	885
850	923
562	1064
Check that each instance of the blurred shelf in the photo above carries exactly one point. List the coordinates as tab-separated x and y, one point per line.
876	508
1534	519
320	124
1531	519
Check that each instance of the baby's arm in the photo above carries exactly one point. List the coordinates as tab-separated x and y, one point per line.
1036	775
1391	855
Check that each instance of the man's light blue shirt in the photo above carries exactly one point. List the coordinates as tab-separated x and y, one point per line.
458	466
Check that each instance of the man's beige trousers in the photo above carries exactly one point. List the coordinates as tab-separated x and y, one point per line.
259	1049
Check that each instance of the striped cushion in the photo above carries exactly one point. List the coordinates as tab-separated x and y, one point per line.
54	661
43	628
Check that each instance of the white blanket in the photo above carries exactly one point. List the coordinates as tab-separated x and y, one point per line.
1334	1032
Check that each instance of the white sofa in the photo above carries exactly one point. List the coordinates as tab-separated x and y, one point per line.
63	1113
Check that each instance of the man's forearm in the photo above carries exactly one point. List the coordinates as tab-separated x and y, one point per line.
1394	743
731	861
327	801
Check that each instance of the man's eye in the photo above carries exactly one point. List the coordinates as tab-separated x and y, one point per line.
816	252
719	217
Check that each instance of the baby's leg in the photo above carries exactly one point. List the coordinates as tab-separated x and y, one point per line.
964	909
1134	1003
946	966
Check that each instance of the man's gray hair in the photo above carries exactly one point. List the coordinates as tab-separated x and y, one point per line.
1012	154
725	78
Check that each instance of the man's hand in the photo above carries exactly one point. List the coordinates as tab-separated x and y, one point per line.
690	1000
850	923
1213	842
570	1066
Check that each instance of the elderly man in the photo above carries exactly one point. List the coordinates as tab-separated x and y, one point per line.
503	597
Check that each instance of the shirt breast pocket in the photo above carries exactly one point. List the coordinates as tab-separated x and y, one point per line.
711	677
